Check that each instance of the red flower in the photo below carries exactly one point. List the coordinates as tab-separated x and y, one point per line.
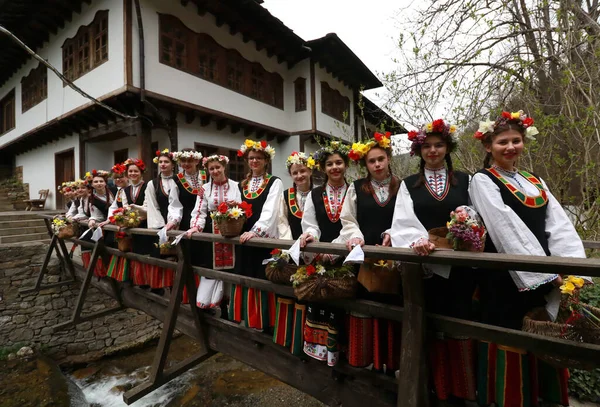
120	235
438	126
310	270
388	134
295	153
263	144
478	135
119	210
412	135
528	122
506	115
240	153
275	252
247	208
157	153
353	155
378	137
222	208
111	219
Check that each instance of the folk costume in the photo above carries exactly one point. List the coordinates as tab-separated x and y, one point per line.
256	307
424	202
522	217
118	267
218	256
135	195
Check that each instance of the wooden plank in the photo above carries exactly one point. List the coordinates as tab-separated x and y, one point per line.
591	244
86	281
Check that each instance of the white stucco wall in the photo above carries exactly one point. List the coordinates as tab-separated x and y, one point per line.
39	169
104	79
328	124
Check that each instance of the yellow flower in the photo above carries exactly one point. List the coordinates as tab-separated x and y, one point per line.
166	150
429	127
132	215
567	288
355	146
381	263
577	281
131	221
384	142
453	129
88	174
515	115
310	163
364	148
235	212
249	143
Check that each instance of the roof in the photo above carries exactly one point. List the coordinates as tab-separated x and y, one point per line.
336	57
375	115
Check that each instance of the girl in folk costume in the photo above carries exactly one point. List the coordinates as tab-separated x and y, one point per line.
66	189
424	202
262	191
163	209
366	216
522	217
189	183
118	268
220	256
320	222
290	316
82	193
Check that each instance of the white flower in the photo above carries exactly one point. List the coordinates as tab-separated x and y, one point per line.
486	126
271	151
235	212
321	270
531	132
454	137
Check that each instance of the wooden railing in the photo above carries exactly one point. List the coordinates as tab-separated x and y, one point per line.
342	384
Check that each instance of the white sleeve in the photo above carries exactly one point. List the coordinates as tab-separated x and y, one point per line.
234	193
113	206
72	210
175	209
309	223
81	211
266	225
155	219
200	212
96	214
406	227
283	225
350	227
563	239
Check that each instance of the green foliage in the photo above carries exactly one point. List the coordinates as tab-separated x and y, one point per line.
6	350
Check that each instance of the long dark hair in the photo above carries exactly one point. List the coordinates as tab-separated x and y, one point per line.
323	160
488	138
367	188
450	167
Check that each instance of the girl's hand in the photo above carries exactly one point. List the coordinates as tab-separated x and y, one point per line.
102	224
247	236
170	226
387	240
191	231
355	241
91	223
423	247
306	238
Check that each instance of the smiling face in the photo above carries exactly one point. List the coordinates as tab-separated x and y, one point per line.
189	165
134	173
335	169
506	147
434	151
165	165
378	163
301	176
257	161
82	191
216	171
120	181
99	184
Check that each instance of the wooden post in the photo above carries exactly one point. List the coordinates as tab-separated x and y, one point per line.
412	382
144	141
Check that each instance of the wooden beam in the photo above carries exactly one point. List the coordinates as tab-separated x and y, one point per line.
144	142
190	115
221	124
204	121
235	128
173	130
248	130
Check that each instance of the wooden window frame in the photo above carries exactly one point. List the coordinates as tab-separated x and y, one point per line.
7	112
88	49
34	88
300	94
334	104
226	67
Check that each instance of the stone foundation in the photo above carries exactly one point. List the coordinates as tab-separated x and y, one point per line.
27	319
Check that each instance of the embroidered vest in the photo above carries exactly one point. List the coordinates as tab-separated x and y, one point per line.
188	199
257	203
329	230
373	218
294	214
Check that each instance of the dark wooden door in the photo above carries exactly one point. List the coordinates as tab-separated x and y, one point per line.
64	170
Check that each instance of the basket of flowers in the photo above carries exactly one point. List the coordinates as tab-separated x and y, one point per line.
279	270
167	248
317	282
381	276
63	227
123	241
576	321
230	217
125	218
466	233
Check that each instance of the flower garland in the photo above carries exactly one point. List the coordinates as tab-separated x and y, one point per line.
66	187
135	161
118	169
256	146
166	153
446	131
195	155
96	173
224	160
359	150
300	158
487	127
330	147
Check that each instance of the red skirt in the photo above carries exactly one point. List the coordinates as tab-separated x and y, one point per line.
99	269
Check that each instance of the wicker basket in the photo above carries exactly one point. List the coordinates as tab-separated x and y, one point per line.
437	236
124	244
280	272
537	322
171	251
378	279
67	231
231	227
323	288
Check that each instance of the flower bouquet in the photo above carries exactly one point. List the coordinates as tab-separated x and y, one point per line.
125	218
576	321
123	241
230	217
167	248
466	233
63	227
279	270
315	282
380	276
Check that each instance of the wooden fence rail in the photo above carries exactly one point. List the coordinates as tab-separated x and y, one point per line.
347	385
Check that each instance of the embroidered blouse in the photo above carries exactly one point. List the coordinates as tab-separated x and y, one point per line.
213	195
73	208
81	212
266	225
120	196
336	196
95	213
285	231
174	210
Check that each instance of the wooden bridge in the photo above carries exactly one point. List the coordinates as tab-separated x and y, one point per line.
342	384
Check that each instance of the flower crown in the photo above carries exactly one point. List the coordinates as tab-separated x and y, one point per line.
331	147
118	169
78	183
301	159
519	117
96	173
256	146
65	187
178	155
359	150
220	158
135	161
166	153
447	131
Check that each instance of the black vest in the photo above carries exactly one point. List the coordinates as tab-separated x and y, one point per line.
431	212
162	198
139	199
294	221
257	203
188	201
373	219
329	230
119	203
534	218
101	205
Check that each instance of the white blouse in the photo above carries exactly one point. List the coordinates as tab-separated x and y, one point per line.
208	201
81	215
310	224
72	210
266	225
285	231
174	210
95	213
120	195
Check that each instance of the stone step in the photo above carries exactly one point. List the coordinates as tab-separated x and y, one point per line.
6	206
23	230
11	224
24	238
20	215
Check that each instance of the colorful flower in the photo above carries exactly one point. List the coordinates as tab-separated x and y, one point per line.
223	208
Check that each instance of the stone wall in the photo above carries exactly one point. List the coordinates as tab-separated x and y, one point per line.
27	319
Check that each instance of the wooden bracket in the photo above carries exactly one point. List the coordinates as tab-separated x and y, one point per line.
159	376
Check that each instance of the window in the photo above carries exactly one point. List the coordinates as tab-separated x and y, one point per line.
88	49
34	88
200	55
300	94
121	155
236	170
7	112
334	104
